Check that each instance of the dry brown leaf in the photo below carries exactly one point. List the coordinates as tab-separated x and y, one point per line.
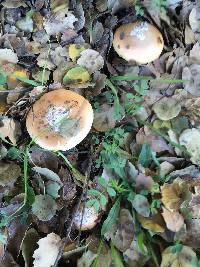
173	195
104	120
174	220
184	258
190	139
192	109
10	128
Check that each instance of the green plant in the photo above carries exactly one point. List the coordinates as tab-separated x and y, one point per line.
159	5
176	248
112	156
99	198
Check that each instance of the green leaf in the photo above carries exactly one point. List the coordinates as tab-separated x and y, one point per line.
2	77
44	207
25	80
176	248
103	200
52	189
111	192
112	217
117	259
14	153
140	242
30	195
141	205
91	202
145	156
97	205
3	238
102	181
179	124
94	192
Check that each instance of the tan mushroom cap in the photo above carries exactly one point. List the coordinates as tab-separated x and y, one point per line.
45	120
138	41
85	218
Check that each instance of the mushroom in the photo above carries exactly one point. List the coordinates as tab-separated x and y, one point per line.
138	41
85	218
59	120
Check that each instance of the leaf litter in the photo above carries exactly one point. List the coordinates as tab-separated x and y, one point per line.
128	194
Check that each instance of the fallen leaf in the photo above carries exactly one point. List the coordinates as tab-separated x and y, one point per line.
91	60
192	73
174	220
141	205
76	49
9	172
184	258
190	139
76	75
123	234
9	128
59	22
44	207
8	56
173	195
86	259
104	119
154	223
48	251
167	108
29	245
49	174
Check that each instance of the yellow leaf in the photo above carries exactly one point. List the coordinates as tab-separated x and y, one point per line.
184	258
12	79
76	74
174	194
75	50
154	223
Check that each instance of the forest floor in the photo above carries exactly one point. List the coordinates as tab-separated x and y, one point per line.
135	177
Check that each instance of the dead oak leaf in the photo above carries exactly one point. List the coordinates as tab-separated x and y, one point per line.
9	128
174	220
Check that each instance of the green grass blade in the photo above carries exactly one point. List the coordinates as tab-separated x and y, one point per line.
146	78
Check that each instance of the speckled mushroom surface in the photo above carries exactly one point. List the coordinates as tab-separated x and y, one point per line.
59	120
85	218
138	41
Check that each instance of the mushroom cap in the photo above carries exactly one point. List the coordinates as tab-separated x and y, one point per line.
138	41
59	120
85	218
